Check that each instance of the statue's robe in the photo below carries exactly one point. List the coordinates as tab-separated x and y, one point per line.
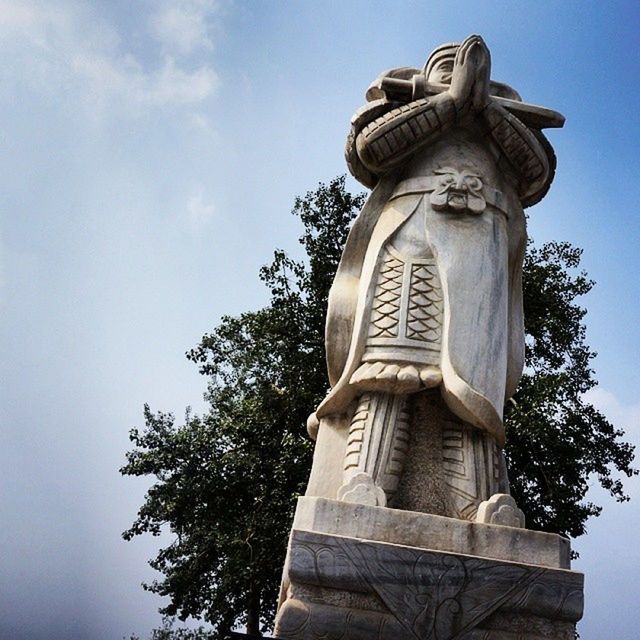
479	261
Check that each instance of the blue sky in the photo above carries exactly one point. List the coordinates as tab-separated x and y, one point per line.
152	152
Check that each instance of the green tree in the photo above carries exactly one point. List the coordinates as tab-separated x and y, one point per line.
556	440
168	631
226	481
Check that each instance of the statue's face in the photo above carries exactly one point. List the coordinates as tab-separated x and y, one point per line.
441	71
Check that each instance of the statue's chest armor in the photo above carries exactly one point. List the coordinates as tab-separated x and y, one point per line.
405	323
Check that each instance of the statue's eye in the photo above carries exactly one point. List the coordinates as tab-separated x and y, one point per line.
442	72
474	183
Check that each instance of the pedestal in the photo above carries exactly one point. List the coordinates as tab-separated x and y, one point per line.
355	572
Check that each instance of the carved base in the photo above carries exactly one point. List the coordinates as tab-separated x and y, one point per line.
346	588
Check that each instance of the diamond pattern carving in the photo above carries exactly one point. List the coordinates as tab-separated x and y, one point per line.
424	315
385	313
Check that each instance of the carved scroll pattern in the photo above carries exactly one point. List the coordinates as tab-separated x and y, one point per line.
428	595
458	192
385	313
424	316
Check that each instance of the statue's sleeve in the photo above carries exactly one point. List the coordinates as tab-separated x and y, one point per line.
397	134
525	151
343	295
361	118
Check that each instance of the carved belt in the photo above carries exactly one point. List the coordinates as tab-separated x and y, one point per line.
454	192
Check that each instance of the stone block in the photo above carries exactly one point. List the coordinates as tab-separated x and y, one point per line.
428	531
355	572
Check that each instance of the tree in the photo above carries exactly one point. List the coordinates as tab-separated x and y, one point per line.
226	481
169	632
556	440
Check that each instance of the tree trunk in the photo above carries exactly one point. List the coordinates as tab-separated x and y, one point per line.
253	611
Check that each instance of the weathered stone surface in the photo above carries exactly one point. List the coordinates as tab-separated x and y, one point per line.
429	531
500	509
425	344
427	301
343	587
449	466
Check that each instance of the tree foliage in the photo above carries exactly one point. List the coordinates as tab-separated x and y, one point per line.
168	631
556	440
225	482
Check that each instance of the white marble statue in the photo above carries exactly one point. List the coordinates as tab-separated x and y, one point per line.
425	344
425	336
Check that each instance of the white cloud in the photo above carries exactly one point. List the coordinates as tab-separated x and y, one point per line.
108	80
200	210
202	124
182	26
67	48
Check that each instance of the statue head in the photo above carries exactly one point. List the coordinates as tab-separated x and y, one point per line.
439	66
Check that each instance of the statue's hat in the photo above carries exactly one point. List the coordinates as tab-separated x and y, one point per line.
444	51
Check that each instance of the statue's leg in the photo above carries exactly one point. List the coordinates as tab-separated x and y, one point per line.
376	448
410	452
476	475
471	464
401	357
451	468
503	476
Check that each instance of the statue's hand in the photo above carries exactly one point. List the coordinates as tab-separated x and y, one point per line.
480	91
470	77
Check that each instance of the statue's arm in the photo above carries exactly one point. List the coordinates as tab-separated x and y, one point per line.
371	111
385	139
392	137
521	147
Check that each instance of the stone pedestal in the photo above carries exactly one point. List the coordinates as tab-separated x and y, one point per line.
355	572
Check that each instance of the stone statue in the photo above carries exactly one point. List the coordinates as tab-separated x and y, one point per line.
428	292
407	528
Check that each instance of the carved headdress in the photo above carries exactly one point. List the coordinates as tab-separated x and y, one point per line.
445	52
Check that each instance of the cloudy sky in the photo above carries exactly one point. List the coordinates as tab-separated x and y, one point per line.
151	153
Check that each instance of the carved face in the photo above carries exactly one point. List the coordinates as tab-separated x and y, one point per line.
441	71
457	192
439	65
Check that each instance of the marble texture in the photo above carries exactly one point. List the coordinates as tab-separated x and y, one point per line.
428	293
413	529
344	587
500	509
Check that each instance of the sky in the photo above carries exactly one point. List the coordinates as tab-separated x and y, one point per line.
152	150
